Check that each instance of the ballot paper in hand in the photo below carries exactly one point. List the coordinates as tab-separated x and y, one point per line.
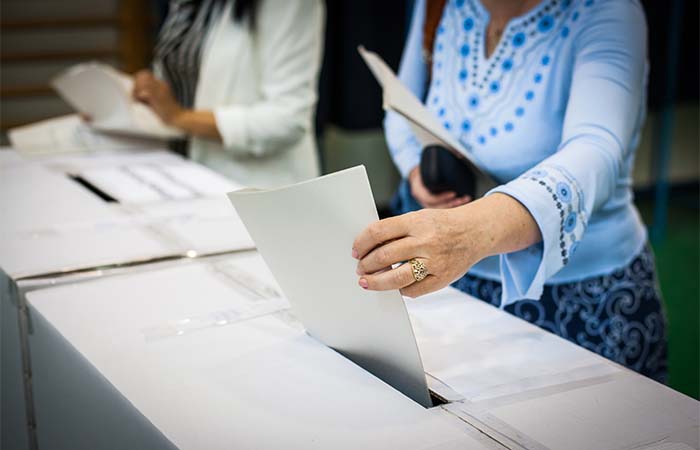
424	124
104	94
305	233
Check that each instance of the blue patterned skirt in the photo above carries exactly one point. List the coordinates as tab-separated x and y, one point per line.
619	315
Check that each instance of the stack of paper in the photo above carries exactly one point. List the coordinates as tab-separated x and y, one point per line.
68	134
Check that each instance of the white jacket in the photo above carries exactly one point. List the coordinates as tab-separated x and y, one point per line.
262	88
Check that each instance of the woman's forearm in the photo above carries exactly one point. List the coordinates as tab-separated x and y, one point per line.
497	224
197	123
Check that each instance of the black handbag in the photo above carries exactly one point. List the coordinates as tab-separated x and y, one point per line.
443	171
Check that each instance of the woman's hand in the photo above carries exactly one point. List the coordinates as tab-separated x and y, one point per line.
157	94
429	200
447	241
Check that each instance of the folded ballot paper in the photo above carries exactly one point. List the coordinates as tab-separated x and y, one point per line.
305	233
104	94
424	124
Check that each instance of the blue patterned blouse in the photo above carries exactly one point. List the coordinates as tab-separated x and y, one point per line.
554	114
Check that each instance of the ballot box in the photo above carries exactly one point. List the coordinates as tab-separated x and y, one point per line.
69	213
208	355
531	389
56	225
207	352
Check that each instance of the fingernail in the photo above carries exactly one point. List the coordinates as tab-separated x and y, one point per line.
363	283
355	254
358	271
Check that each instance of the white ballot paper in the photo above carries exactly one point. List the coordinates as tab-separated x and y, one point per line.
305	233
66	134
424	124
104	94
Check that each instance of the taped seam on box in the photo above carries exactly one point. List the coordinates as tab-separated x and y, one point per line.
215	319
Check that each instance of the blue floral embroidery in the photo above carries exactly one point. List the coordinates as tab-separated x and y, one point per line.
562	196
474	101
491	81
570	222
545	24
518	39
564	191
468	24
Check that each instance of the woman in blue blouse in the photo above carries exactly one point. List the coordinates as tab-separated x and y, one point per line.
549	98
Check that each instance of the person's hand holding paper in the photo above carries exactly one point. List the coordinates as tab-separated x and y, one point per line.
305	234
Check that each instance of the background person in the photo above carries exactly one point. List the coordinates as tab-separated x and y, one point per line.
240	78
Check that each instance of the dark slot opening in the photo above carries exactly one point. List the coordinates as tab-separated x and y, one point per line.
92	188
436	399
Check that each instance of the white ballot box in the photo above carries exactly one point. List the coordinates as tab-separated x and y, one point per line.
531	389
54	226
208	356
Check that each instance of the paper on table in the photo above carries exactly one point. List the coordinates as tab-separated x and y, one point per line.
305	234
69	134
104	94
424	124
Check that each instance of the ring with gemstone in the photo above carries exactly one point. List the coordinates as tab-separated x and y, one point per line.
419	269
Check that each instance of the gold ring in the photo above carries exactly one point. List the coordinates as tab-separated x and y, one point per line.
419	269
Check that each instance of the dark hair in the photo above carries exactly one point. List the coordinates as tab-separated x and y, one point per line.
245	8
433	14
242	10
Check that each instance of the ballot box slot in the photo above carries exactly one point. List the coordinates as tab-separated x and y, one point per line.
93	189
437	399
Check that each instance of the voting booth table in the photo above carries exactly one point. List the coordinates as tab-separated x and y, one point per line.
137	314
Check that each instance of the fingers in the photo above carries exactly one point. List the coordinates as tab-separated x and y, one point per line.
143	76
380	232
143	95
388	254
143	83
387	280
429	284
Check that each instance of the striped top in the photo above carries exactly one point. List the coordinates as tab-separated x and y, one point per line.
180	42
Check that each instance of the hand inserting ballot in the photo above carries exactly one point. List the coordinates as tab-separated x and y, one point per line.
443	242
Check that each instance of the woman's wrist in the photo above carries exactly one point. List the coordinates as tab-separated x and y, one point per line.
470	230
177	117
494	225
